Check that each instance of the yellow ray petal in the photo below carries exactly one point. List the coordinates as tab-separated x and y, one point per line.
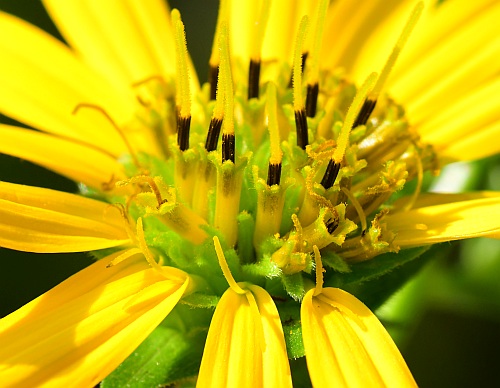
438	221
245	345
282	27
34	219
479	144
42	83
467	114
456	80
376	46
433	199
154	22
132	46
463	60
78	332
346	345
435	26
112	45
242	15
68	158
349	24
468	128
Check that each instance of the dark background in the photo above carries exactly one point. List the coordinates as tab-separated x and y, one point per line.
447	321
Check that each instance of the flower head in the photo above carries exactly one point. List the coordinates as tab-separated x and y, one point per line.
297	154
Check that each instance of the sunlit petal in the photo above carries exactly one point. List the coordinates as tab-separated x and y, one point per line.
446	221
36	92
41	220
144	25
345	343
78	332
245	345
75	161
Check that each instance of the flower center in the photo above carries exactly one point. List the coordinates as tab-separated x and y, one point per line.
335	164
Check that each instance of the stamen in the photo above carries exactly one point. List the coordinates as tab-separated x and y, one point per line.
213	75
371	100
313	86
214	60
229	178
343	139
330	174
352	113
256	48
274	172
213	134
183	96
225	76
319	271
152	184
365	112
217	116
253	79
183	127
123	256
228	147
302	130
225	268
332	224
312	99
305	54
115	126
298	103
358	207
144	247
126	222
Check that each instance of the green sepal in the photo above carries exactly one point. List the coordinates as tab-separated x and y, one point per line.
199	300
294	285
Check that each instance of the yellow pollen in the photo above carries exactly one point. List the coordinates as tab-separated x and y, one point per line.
260	30
318	34
298	103
183	97
225	268
274	134
152	184
319	271
226	81
352	113
408	28
222	16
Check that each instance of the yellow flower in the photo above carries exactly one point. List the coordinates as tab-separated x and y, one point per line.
342	104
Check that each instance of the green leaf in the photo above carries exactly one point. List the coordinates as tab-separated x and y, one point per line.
373	281
170	354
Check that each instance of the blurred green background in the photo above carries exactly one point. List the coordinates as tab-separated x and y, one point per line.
446	321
